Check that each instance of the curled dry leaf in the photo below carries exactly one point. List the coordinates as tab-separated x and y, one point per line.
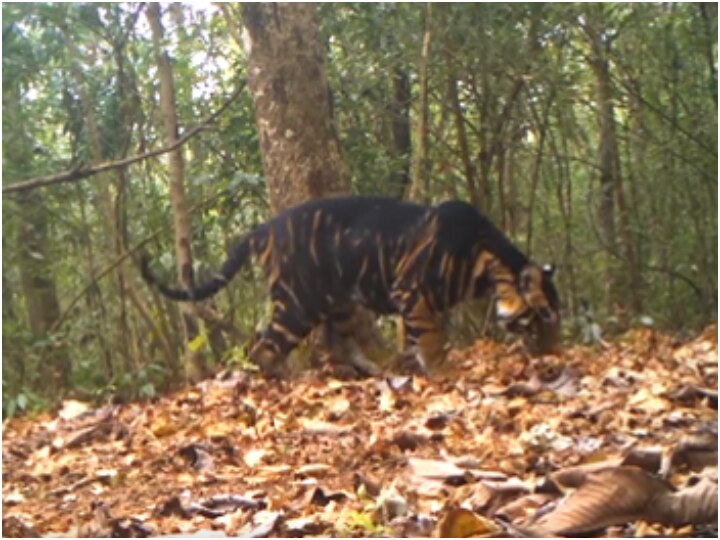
370	485
72	408
696	450
619	495
559	380
689	393
696	505
410	440
262	525
304	526
462	523
322	497
389	505
199	457
603	498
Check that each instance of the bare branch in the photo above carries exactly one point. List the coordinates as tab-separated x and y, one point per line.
124	256
79	173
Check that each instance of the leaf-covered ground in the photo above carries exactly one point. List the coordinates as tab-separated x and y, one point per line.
618	440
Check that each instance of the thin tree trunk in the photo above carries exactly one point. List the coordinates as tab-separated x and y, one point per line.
511	191
401	149
710	43
33	258
461	133
419	188
98	323
108	224
541	125
612	194
181	220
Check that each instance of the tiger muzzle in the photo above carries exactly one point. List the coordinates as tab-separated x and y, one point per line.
540	329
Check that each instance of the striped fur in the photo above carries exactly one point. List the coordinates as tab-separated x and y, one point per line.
325	257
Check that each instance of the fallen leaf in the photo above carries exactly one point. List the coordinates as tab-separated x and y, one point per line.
603	498
261	525
646	401
199	457
313	469
433	468
696	505
254	456
72	408
462	523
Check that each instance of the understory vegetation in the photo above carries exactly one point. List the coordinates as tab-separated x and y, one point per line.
586	132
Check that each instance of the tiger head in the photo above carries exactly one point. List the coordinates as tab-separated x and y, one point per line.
529	304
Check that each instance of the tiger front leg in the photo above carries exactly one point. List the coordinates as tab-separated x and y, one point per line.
424	337
267	356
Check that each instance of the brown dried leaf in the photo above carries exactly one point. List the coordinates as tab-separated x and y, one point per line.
696	505
262	525
696	450
434	468
606	497
574	477
462	523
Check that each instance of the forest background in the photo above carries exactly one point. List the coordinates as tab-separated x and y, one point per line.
587	132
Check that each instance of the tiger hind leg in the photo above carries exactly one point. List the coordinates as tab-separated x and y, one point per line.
282	335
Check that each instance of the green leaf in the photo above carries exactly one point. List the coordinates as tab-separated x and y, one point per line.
22	401
198	342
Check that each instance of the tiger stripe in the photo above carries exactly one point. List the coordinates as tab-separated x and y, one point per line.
390	256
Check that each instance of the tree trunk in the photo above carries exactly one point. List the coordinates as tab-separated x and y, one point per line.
420	184
401	148
612	195
300	148
461	132
34	261
181	220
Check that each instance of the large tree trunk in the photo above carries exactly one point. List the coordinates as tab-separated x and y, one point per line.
181	220
286	75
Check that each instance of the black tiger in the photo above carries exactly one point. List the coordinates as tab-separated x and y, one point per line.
325	257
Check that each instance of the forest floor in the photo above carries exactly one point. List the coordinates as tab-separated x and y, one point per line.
614	440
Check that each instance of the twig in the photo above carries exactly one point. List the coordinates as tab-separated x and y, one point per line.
120	259
79	173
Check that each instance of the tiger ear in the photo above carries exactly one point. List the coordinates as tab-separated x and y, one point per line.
481	264
548	270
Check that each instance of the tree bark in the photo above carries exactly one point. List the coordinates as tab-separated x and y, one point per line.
611	187
181	219
300	148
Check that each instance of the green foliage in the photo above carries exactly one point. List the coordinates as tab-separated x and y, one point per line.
527	102
23	401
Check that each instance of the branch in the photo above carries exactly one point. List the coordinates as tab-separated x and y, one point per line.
122	257
76	174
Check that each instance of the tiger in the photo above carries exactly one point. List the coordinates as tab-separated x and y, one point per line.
324	258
